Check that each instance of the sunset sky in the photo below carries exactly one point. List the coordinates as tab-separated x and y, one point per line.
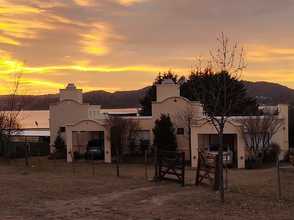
123	44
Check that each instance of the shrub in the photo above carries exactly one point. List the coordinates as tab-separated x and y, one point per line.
164	134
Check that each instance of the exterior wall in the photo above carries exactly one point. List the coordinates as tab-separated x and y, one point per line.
281	137
64	113
164	91
146	123
181	112
94	112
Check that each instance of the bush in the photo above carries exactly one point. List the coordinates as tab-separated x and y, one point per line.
60	147
78	156
17	149
270	156
253	162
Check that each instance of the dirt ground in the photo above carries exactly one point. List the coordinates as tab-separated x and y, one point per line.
55	190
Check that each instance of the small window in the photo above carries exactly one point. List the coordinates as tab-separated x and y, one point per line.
62	129
180	131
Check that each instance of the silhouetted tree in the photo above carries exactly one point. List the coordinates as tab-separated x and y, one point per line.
220	92
187	90
164	138
164	134
191	89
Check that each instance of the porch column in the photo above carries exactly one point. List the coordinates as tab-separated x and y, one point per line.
107	148
69	152
194	147
240	151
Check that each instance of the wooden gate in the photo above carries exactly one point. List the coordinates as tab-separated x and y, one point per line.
206	169
171	165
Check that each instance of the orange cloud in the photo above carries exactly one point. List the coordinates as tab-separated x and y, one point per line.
84	3
96	41
7	40
129	2
267	53
8	7
20	21
9	65
35	79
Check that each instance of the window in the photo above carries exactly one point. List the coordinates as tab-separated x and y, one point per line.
62	129
180	131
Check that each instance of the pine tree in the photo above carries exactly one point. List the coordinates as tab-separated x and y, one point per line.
164	134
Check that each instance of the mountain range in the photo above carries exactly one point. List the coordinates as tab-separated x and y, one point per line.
265	92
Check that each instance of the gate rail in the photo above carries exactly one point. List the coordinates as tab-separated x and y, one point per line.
172	164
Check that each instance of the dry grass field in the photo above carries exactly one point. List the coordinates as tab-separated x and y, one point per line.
50	190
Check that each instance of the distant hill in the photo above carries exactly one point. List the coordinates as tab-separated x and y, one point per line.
265	92
120	99
270	93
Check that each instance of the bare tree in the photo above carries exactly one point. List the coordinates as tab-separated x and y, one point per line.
10	115
228	57
257	132
121	131
221	92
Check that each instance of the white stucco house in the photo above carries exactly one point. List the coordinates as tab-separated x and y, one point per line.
80	122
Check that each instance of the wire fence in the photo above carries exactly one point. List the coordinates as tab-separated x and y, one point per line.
260	183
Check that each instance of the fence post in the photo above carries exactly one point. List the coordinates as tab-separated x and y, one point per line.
26	154
278	178
146	164
198	169
39	159
54	159
117	160
216	174
93	165
73	163
156	176
183	168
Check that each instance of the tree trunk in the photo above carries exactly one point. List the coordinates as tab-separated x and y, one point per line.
190	155
146	163
117	160
27	154
155	163
220	165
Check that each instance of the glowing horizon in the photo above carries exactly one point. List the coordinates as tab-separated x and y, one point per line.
123	44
